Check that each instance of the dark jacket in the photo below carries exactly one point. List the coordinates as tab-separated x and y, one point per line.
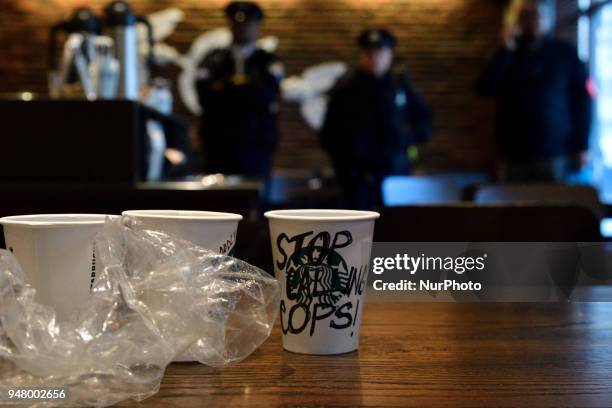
239	126
369	125
544	109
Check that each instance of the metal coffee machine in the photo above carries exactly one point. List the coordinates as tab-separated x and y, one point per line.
80	29
120	25
100	58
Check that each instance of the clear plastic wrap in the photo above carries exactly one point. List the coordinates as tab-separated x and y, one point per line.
155	297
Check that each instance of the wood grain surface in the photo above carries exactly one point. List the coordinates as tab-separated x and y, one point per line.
424	355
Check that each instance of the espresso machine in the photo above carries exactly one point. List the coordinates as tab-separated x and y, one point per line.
120	24
80	30
100	56
107	59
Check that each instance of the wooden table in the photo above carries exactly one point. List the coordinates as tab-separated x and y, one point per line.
424	355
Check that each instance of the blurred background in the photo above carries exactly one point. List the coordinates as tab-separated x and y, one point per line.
59	149
444	43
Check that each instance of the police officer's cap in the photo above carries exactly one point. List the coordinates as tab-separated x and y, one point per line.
374	38
241	11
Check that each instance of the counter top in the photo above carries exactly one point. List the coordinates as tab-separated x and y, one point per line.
424	355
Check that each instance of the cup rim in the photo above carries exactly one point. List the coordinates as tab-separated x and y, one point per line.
186	215
54	220
321	215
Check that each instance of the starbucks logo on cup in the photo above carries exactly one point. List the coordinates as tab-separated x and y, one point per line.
321	260
321	286
317	273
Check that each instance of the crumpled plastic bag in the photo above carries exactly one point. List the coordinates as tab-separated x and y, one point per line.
155	297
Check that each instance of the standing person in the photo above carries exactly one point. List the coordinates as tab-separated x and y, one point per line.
373	117
544	108
238	89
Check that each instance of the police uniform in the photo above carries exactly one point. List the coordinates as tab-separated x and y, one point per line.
370	124
544	108
238	89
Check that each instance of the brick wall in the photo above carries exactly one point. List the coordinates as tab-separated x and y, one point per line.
444	43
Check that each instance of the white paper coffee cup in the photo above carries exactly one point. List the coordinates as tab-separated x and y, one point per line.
207	229
321	259
56	253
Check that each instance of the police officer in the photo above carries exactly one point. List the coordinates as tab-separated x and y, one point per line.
238	89
373	117
544	108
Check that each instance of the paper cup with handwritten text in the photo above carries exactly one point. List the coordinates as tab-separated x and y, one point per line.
207	229
321	260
